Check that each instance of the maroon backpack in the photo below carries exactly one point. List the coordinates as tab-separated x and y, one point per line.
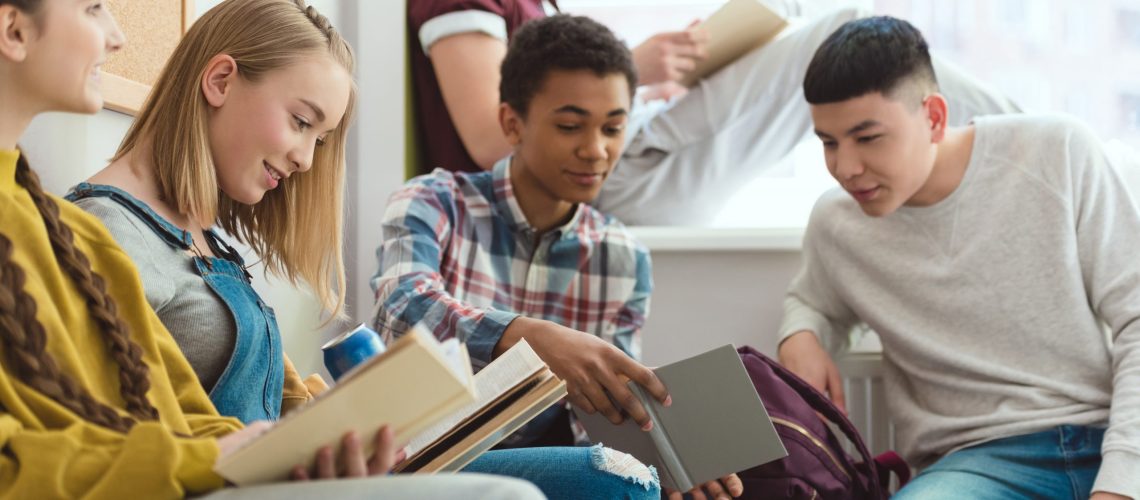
816	465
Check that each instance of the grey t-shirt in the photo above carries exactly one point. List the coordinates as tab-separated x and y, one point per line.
200	322
990	303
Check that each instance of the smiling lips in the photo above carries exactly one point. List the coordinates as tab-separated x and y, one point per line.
272	175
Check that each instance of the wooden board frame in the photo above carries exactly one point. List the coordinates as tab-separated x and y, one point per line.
126	95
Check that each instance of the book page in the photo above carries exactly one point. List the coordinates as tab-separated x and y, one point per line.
455	353
510	369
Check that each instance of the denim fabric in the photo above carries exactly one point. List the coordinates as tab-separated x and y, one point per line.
573	472
1060	463
257	365
251	385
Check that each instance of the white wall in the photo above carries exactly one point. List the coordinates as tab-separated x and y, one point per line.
376	153
716	286
708	298
65	148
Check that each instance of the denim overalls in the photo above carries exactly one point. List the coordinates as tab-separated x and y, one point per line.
257	364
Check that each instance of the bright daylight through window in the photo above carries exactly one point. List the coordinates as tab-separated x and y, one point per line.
1061	56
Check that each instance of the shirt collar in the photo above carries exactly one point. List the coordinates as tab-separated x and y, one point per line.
508	205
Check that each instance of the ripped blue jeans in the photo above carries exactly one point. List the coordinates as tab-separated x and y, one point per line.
573	472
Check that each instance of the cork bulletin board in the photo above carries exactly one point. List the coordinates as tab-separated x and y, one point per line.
152	28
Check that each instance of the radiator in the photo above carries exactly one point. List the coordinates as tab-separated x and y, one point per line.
866	400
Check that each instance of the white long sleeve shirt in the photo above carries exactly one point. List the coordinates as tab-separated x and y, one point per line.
991	303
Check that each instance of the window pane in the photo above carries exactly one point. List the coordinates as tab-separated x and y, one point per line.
1081	58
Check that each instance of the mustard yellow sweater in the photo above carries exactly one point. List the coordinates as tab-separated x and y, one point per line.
50	452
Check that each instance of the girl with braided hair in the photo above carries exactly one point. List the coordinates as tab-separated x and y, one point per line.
96	398
246	129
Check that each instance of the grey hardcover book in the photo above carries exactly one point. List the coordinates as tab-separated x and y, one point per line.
716	426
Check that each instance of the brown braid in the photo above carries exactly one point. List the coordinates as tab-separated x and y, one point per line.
25	339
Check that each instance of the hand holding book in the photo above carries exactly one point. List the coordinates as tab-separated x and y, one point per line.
727	486
668	56
473	412
591	368
717	424
344	420
352	460
672	61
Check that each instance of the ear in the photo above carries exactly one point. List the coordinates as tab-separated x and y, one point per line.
937	115
511	123
15	31
218	79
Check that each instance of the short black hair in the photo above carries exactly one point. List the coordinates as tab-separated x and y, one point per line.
875	54
560	42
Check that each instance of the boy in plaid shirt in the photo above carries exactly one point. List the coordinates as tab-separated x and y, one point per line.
517	252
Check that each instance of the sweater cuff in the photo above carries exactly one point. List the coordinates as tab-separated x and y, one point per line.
482	341
792	326
798	317
194	457
1118	474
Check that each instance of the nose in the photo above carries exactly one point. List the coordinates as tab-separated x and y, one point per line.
302	156
115	37
593	148
847	165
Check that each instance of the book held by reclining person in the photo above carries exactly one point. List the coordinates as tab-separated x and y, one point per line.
739	26
715	426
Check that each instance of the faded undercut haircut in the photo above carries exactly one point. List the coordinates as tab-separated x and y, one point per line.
560	42
875	54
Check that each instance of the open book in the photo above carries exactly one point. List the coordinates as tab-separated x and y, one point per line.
439	382
716	425
738	27
513	389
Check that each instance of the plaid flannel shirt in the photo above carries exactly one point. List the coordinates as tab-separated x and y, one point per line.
460	258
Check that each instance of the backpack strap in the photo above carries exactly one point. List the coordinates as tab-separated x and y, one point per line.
889	462
823	406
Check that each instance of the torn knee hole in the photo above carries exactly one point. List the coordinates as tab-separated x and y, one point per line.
623	465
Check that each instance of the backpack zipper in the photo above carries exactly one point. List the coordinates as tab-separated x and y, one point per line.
798	428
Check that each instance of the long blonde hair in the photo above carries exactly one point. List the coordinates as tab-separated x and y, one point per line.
297	230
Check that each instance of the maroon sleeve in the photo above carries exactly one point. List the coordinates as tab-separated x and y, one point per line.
422	11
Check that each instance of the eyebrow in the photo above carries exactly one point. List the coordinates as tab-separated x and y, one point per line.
316	109
570	108
863	125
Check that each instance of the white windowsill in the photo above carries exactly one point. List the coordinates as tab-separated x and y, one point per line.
686	239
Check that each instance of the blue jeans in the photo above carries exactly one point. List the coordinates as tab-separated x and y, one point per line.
573	472
1060	463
